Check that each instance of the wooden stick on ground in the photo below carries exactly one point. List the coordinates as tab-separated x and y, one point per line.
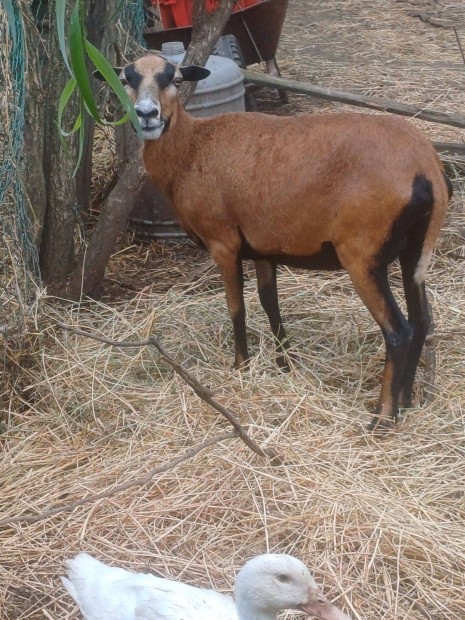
94	497
374	103
201	391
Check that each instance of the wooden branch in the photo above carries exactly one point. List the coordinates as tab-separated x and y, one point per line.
87	276
206	31
202	392
374	103
89	499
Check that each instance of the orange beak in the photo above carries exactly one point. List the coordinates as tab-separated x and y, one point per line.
318	605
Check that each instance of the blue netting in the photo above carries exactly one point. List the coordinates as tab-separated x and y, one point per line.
133	18
17	226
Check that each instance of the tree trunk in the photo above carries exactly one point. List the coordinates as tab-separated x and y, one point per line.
57	248
33	152
55	198
87	277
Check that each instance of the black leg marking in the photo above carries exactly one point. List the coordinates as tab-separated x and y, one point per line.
268	293
405	339
397	333
419	319
413	220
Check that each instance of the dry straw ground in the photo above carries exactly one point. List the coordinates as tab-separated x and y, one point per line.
380	521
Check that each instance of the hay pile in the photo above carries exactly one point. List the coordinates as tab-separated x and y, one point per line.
380	521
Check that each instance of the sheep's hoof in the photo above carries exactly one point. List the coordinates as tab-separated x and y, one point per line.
242	365
282	363
380	425
284	358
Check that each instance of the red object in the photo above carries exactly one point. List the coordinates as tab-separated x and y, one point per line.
178	13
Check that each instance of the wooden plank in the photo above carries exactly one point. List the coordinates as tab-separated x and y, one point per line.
450	148
374	103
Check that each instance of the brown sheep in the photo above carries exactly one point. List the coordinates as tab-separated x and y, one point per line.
335	191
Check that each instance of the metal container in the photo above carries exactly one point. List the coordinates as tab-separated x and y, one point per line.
222	91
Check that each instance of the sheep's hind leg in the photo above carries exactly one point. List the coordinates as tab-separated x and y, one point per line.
268	293
373	287
419	319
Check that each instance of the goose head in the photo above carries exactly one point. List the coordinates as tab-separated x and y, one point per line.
270	583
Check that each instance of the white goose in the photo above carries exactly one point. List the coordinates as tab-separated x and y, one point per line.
266	585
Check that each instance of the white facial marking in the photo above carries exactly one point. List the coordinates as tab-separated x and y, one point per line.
147	106
153	134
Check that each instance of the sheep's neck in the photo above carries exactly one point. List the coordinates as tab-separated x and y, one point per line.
167	157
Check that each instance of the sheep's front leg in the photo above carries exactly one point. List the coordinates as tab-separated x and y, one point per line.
268	293
233	280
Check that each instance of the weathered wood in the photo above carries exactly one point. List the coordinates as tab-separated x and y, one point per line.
206	31
450	148
87	276
374	103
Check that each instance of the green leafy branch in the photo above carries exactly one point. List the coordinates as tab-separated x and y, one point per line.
79	50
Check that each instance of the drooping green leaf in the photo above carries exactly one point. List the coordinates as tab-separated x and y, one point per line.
77	46
108	73
80	51
60	12
65	96
81	145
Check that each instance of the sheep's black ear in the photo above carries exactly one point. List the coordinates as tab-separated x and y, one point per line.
194	73
98	76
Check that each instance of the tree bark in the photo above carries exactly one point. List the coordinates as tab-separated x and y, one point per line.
57	247
206	31
87	277
33	152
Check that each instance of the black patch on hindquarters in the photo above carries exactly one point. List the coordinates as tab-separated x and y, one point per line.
409	229
325	260
132	76
165	78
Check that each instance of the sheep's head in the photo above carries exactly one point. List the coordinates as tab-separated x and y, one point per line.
152	83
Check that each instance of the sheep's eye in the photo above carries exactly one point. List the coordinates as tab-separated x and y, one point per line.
177	81
284	578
